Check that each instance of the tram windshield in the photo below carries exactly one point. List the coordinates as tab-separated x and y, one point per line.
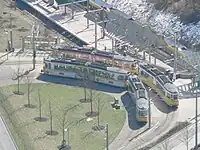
143	113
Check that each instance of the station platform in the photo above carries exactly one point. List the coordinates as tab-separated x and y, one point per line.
76	26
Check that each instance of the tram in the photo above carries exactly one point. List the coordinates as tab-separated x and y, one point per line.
80	69
139	96
160	83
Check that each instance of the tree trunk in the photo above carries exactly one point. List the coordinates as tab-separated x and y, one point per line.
51	124
18	84
28	97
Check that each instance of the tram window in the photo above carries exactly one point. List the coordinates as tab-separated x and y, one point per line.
175	96
143	113
49	65
111	82
60	73
168	95
120	77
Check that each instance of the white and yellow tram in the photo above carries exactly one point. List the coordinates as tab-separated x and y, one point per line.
139	95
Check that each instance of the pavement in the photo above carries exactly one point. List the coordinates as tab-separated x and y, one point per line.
6	141
180	140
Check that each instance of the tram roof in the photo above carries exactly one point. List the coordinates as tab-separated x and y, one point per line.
96	65
93	51
62	2
151	70
163	79
171	88
142	104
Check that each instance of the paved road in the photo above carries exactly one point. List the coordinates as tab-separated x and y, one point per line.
6	143
179	140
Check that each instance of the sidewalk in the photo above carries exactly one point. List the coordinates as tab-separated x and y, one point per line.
6	141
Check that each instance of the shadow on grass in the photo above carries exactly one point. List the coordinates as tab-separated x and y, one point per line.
27	124
16	110
79	83
40	119
52	133
18	93
40	137
30	106
131	111
98	128
83	100
92	114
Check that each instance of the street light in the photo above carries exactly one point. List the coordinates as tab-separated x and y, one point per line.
149	89
63	145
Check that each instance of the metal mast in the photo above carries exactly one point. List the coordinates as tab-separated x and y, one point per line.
175	58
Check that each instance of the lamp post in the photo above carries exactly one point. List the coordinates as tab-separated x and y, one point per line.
196	115
175	58
63	145
149	89
107	140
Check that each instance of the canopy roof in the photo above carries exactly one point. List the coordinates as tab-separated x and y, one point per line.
62	2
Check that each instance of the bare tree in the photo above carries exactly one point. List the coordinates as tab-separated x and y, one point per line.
40	103
166	145
51	118
85	82
93	96
64	122
186	135
99	109
51	131
18	75
29	90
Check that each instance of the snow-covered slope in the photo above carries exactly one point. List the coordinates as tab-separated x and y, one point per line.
163	23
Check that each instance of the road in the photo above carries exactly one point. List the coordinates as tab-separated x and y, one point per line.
179	140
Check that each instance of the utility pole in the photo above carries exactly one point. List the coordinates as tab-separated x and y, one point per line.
107	140
72	9
95	34
113	51
33	42
175	58
196	120
149	107
11	35
87	13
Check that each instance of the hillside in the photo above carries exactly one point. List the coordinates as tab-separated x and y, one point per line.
187	10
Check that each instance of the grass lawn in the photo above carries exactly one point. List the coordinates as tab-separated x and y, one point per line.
33	133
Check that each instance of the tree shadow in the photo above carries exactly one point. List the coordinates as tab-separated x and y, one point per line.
40	137
98	128
27	124
131	111
79	83
18	93
40	119
18	109
30	106
52	133
83	100
22	29
66	147
91	114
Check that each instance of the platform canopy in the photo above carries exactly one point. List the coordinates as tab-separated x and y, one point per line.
63	2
